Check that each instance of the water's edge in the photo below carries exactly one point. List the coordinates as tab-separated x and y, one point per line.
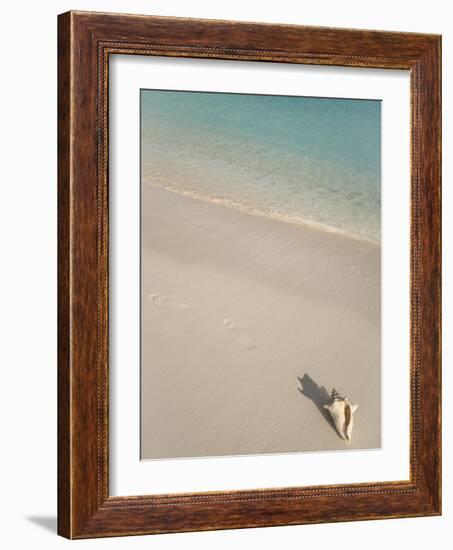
264	213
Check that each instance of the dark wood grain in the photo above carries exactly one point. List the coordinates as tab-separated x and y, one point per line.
86	40
64	367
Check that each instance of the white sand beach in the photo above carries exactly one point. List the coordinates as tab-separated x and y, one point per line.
247	324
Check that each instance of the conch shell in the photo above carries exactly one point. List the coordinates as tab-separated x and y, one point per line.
342	413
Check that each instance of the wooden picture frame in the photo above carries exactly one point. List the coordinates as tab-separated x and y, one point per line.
85	42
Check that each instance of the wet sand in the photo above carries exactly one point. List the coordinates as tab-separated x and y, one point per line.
247	324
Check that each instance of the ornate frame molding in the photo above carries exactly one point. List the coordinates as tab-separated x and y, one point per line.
86	40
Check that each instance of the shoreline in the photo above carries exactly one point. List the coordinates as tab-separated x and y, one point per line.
267	213
247	324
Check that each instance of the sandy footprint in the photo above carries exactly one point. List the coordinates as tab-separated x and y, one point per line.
162	300
242	332
155	299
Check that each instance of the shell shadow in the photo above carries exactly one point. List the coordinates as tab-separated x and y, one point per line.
318	394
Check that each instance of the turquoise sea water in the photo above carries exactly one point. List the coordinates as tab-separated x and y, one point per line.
306	160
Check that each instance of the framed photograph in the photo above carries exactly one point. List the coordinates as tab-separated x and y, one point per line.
249	275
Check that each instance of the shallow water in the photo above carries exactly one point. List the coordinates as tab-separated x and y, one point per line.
305	160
